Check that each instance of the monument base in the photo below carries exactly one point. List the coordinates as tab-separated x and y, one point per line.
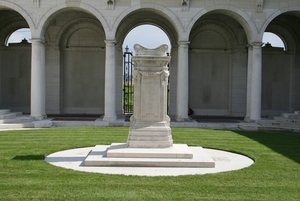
121	151
150	135
117	155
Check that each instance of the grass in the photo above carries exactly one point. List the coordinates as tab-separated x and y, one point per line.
24	175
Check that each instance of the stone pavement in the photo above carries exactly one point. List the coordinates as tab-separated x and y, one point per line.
17	121
224	161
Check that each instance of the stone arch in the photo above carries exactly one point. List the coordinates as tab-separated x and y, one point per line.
287	35
142	16
11	25
280	74
278	12
169	32
159	9
81	64
19	10
217	65
59	8
68	29
239	15
15	60
213	25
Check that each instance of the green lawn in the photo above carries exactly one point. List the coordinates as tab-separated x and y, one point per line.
24	175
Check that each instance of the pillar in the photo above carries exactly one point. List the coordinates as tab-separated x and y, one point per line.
110	82
182	81
38	81
249	80
256	81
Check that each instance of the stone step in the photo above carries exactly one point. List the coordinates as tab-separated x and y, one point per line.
4	111
286	120
16	126
278	129
10	115
291	115
248	126
297	112
73	123
46	123
269	123
17	119
290	125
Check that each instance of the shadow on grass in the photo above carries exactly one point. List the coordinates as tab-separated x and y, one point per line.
29	158
286	144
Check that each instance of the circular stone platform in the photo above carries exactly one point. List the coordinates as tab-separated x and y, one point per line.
224	161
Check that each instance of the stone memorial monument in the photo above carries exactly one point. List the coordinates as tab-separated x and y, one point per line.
150	123
149	142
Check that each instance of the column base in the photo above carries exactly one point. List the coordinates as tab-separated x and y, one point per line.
38	118
110	119
182	119
249	120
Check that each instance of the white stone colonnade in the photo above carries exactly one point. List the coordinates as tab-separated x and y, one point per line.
181	24
253	112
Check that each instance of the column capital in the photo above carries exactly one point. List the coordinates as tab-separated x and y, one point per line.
249	46
257	44
183	43
37	40
110	42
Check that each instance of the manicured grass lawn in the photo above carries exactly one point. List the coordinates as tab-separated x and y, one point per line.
24	175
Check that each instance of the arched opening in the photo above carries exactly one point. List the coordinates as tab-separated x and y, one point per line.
217	66
22	35
75	64
148	36
273	40
151	28
15	62
280	63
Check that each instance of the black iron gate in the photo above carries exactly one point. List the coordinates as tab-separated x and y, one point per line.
128	87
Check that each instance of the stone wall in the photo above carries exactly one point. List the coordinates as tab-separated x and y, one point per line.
75	65
15	77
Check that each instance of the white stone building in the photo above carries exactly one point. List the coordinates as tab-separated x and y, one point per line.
219	66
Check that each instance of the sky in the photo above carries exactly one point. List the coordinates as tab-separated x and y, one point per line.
146	35
19	35
273	39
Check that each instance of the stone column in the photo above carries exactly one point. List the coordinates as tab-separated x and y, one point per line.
38	77
249	81
256	80
110	82
182	81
